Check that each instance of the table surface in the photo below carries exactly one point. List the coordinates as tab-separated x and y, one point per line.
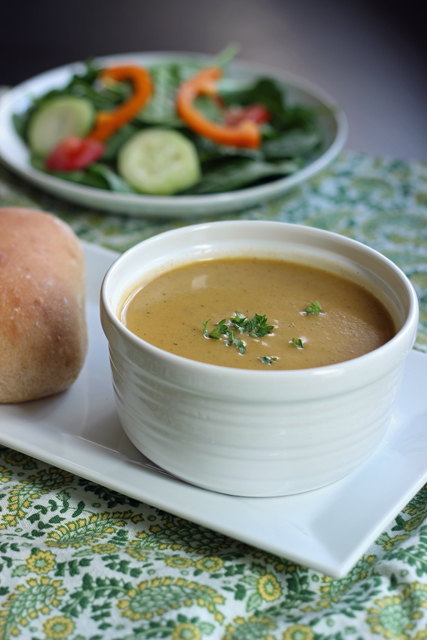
83	562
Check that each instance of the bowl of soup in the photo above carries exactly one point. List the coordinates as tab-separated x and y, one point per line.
256	358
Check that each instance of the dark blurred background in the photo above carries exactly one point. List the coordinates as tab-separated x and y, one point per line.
370	55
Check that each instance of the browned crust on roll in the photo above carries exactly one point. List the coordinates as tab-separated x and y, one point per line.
43	334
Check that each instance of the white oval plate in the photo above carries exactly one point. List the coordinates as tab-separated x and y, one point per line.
15	154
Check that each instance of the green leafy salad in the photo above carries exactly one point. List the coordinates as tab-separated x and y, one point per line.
186	139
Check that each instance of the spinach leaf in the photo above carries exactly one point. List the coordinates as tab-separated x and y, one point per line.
20	122
97	175
294	142
209	151
113	144
226	56
238	173
112	179
78	177
167	78
161	108
272	95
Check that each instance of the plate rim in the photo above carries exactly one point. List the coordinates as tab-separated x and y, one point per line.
156	206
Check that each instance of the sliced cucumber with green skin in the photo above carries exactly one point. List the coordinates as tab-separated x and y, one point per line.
159	162
57	119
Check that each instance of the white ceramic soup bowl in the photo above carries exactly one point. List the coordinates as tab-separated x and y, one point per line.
250	432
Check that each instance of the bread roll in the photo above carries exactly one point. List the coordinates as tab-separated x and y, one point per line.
43	334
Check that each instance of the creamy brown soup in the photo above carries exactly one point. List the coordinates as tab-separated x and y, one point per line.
171	312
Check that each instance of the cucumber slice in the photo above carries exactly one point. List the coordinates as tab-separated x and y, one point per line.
159	162
58	118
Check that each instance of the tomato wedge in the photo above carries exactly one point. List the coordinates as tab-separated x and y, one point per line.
74	153
254	112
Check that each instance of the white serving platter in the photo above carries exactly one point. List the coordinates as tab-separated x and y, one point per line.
328	529
15	154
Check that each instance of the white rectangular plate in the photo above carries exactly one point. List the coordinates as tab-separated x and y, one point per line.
327	529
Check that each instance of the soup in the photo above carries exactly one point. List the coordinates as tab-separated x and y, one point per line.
257	313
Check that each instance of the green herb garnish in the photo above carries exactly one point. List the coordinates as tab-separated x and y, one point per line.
213	334
239	322
267	359
260	326
297	343
257	328
314	307
221	328
233	340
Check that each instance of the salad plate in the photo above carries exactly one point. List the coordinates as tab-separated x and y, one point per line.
15	154
328	529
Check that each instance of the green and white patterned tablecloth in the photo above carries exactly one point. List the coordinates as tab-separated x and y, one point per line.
81	562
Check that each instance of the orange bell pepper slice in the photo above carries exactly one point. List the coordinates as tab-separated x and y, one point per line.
108	122
245	134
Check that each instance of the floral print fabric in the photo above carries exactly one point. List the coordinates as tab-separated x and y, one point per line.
81	562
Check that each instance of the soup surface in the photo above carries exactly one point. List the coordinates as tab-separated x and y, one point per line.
257	313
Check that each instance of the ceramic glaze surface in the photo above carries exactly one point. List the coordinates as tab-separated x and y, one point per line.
256	433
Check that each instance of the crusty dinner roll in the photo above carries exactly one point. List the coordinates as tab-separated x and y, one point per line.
43	335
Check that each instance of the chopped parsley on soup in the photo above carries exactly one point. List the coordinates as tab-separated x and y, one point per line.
257	313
